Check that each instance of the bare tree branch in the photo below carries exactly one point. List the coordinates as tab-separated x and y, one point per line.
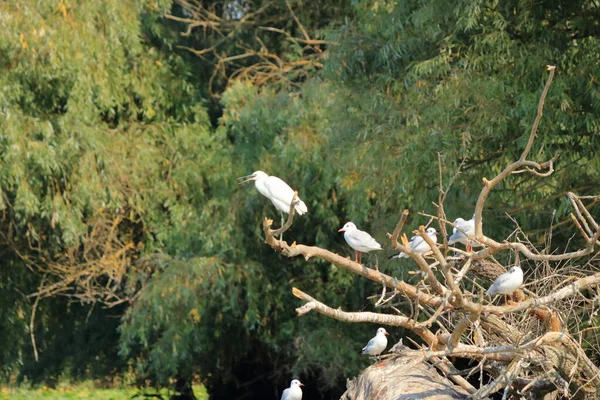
383	319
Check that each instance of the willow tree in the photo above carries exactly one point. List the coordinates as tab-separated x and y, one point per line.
103	163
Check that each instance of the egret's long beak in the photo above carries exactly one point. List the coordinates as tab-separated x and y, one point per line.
244	179
301	384
387	333
341	230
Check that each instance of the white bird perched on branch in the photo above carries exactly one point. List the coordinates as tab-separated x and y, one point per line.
462	229
276	190
507	283
418	244
359	240
293	392
377	344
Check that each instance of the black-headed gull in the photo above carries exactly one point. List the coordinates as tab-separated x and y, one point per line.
462	229
418	244
359	240
376	345
293	392
507	283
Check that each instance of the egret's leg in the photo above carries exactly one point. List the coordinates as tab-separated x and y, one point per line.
282	222
355	256
469	246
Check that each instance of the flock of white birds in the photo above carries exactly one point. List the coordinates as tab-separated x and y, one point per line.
282	196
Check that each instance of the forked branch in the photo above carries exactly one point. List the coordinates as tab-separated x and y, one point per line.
382	319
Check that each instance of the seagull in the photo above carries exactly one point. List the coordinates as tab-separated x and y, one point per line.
293	392
461	230
507	283
359	240
276	190
418	244
377	344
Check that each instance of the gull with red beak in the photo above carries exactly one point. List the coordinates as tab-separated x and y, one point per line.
462	231
507	283
359	240
376	345
418	244
293	392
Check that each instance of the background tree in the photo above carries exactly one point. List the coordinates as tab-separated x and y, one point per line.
104	157
117	169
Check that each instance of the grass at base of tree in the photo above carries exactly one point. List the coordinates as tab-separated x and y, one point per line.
85	391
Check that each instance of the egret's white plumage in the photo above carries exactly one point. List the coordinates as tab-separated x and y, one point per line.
377	344
418	244
276	190
508	282
293	392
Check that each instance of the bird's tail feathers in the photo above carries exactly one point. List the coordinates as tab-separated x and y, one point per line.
398	255
301	207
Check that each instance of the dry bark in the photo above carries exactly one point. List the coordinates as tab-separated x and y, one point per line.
402	377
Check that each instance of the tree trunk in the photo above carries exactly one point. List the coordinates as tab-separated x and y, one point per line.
402	377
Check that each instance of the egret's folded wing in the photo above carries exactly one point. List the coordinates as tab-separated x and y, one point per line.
279	189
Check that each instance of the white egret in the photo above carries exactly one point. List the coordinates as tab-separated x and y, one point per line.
507	283
418	244
377	344
293	392
276	190
359	240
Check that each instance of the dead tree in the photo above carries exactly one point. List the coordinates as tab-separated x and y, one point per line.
251	59
525	349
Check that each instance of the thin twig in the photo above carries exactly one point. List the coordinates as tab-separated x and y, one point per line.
32	320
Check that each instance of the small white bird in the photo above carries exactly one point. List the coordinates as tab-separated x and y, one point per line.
293	392
507	283
376	345
418	244
359	240
461	230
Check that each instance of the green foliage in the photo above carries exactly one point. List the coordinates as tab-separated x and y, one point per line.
106	155
113	178
464	80
86	390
